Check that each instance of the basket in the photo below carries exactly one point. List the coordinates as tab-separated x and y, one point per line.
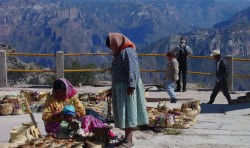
6	109
42	96
18	111
17	136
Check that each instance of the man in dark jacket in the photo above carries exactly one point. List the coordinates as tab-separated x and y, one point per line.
221	76
182	51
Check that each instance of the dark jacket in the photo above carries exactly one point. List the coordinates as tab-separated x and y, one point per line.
222	70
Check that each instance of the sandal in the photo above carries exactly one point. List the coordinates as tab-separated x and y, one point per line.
126	143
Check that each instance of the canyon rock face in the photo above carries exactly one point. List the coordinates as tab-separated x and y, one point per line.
76	26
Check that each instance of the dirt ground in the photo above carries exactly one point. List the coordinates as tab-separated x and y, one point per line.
218	125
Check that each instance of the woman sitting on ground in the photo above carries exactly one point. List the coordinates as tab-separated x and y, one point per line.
64	94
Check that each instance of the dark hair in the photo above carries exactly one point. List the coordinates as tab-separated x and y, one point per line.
108	42
183	38
59	84
170	54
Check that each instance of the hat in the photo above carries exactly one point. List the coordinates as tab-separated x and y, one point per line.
215	52
69	110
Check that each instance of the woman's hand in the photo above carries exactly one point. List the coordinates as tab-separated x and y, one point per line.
130	90
109	92
57	114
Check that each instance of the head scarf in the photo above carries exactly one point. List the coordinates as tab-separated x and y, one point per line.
119	42
69	110
70	90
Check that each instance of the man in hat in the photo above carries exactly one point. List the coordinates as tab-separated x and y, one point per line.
221	77
182	53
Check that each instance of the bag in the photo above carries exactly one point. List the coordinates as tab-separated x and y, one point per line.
101	135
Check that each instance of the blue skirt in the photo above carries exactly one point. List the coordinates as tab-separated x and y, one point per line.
129	110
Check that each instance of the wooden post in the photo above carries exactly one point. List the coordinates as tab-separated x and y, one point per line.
59	64
3	68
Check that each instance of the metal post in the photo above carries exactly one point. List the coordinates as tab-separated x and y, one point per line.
3	69
229	59
59	64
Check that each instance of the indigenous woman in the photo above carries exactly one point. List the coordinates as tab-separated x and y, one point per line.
129	105
65	94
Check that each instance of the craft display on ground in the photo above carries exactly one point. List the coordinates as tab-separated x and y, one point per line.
97	105
181	118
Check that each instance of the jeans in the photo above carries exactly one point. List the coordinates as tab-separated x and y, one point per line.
169	86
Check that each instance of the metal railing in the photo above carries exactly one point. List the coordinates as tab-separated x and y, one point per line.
60	65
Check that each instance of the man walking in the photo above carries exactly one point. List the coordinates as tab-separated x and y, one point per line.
221	78
183	51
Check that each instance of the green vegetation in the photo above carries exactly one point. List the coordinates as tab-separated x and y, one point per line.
172	131
80	78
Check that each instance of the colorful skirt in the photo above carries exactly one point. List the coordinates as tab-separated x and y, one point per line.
129	110
89	123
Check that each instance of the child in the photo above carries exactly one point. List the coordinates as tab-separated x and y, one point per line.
171	75
70	127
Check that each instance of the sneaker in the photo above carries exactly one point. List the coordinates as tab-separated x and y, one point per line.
173	101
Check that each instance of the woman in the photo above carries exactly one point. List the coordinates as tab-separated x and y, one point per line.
129	105
65	94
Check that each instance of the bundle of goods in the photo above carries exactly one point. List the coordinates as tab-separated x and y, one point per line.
166	117
6	109
11	104
21	134
35	99
99	96
50	141
101	111
98	105
34	96
21	137
243	99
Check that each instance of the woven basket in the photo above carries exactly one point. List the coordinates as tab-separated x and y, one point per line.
17	136
18	111
6	109
189	112
43	96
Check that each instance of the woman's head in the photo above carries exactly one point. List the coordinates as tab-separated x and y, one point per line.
63	89
117	42
59	89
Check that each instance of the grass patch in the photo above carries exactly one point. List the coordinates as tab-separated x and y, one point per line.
172	131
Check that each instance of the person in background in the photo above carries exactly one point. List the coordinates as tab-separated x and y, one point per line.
64	94
128	100
221	77
183	51
171	75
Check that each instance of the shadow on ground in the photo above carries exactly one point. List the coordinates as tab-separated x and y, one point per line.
222	108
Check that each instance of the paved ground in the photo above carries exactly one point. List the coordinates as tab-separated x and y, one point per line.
219	125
